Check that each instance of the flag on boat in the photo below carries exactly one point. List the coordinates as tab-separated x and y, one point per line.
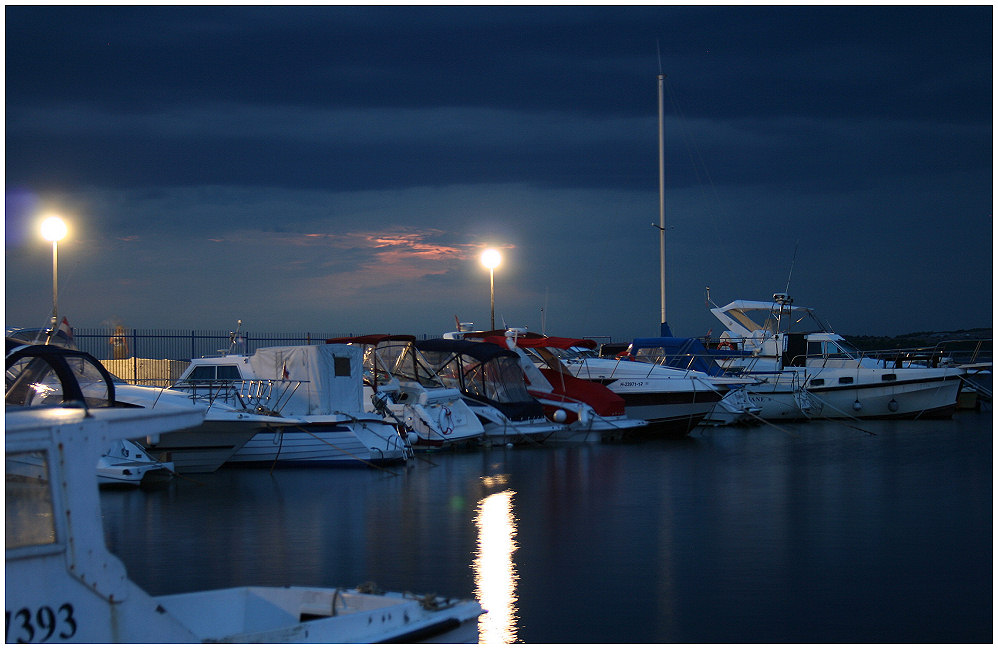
66	330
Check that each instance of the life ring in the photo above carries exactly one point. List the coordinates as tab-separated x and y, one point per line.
726	345
446	421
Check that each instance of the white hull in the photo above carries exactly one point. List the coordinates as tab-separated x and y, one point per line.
125	464
334	442
868	397
503	430
598	428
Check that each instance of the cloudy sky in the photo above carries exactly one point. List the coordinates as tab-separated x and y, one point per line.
341	169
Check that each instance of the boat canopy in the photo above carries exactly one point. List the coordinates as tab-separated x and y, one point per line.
745	317
330	376
481	371
382	354
682	353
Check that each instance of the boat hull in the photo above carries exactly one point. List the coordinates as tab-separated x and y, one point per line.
202	449
915	398
324	443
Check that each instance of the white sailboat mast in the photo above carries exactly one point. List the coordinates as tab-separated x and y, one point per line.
661	195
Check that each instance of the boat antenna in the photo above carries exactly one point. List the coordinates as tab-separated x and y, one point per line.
234	337
792	264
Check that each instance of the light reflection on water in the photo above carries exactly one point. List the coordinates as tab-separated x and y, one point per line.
808	533
495	571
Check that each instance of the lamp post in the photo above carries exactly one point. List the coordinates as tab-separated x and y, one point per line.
491	259
54	229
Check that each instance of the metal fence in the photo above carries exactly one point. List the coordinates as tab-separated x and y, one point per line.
159	356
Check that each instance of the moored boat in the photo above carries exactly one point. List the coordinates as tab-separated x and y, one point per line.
63	585
589	411
318	388
126	464
808	371
672	401
491	383
432	415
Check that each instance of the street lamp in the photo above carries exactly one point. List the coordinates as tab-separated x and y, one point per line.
491	259
54	229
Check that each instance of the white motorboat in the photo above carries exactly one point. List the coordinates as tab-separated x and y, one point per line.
807	371
126	464
590	412
63	585
735	407
225	430
491	383
431	415
672	401
319	387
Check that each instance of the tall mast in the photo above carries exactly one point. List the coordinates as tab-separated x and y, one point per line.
665	331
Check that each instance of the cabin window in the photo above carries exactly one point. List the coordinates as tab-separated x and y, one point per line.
341	366
29	516
813	348
889	377
202	373
845	379
227	373
817	382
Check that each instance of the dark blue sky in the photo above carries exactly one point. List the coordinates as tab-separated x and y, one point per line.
341	168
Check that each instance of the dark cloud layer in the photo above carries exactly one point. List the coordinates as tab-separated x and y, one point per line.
861	136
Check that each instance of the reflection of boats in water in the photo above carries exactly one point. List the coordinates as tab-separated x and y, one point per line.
808	371
317	388
431	414
63	584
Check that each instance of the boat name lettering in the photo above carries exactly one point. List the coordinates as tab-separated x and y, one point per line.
42	624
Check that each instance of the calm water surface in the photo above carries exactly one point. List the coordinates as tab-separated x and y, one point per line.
813	532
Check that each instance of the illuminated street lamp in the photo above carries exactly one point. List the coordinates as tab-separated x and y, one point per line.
491	259
54	229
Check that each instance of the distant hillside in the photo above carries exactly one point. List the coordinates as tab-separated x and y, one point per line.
917	339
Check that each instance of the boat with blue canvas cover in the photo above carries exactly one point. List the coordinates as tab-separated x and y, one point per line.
735	407
63	585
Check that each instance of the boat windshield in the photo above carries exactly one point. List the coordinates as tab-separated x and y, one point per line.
499	379
33	381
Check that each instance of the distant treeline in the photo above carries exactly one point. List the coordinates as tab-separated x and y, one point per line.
919	339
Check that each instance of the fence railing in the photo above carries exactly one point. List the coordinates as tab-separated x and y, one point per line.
158	356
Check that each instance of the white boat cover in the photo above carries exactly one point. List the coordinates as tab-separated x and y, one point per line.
331	376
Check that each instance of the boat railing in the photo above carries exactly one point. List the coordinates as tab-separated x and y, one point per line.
259	396
946	353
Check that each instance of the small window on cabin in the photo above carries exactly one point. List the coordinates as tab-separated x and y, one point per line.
814	349
845	379
228	373
889	377
817	382
29	514
341	366
202	373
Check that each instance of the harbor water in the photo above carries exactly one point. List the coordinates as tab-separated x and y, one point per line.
820	532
